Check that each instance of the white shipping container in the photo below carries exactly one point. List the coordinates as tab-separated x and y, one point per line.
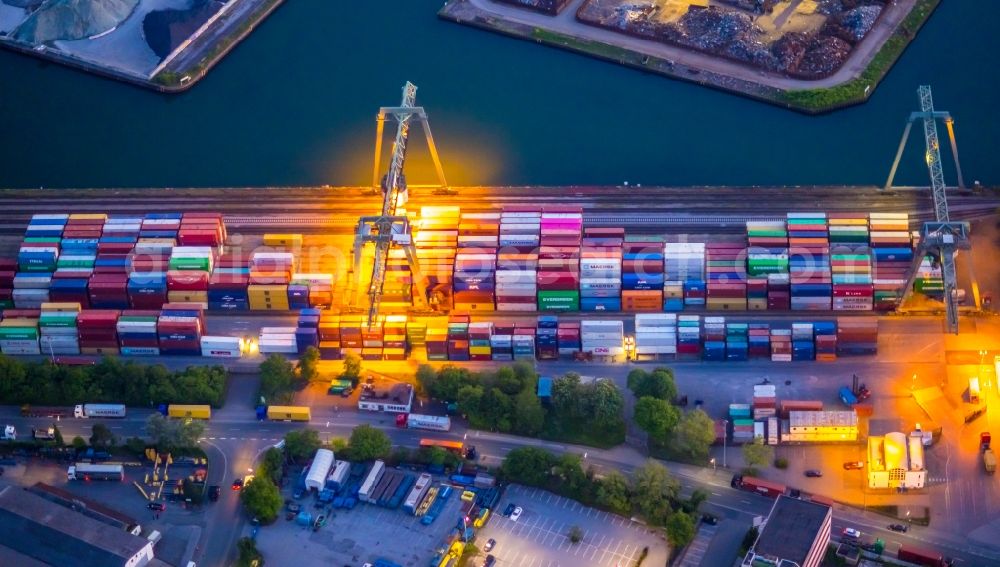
50	216
523	307
664	349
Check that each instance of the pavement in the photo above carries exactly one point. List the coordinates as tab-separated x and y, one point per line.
566	23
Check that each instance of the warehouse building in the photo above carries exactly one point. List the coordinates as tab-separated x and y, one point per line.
896	461
39	532
821	427
796	533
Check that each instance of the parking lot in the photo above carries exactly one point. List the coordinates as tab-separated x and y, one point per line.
353	537
540	537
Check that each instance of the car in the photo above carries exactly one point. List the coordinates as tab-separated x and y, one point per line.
852	533
709	519
156	506
814	473
238	484
510	508
516	514
490	561
901	528
854	465
298	494
213	492
490	544
294	507
320	522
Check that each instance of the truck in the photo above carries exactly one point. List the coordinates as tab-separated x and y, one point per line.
88	472
417	494
86	411
989	457
919	556
44	411
283	413
428	422
848	397
974	397
9	433
186	411
759	485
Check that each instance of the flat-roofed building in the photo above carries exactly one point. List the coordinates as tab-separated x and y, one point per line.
796	533
896	461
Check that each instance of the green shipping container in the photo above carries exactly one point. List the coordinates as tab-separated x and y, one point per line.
558	300
189	264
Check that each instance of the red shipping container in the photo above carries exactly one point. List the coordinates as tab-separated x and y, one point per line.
187	281
22	313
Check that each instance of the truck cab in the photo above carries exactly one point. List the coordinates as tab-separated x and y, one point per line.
9	433
78	411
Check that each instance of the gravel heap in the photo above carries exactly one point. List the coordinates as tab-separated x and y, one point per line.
73	19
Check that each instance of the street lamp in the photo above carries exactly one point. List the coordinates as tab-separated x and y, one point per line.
725	437
713	463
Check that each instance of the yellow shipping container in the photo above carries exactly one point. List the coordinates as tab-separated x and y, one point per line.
288	413
261	290
483	307
188	297
62	307
188	411
88	216
293	240
479	350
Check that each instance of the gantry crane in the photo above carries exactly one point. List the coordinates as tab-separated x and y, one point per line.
389	229
941	237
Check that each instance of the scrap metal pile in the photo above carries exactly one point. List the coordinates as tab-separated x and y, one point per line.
734	33
550	7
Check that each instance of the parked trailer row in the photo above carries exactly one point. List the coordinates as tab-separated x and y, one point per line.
401	491
370	482
81	411
420	489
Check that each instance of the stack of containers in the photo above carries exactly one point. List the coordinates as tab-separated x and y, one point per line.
689	334
779	294
416	335
826	340
479	341
767	256
85	226
601	269
517	259
160	225
394	337
602	338
857	335
193	258
737	342
569	337
227	292
436	341
475	278
7	270
741	417
655	335
502	344
559	260
148	290
221	347
458	337
435	243
270	273
726	271
277	340
809	262
373	340
19	335
57	328
318	286
524	341
803	344
31	289
201	229
98	331
929	280
329	336
781	345
397	291
850	263
108	290
179	329
714	346
642	275
765	401
684	265
188	286
137	333
547	337
892	252
118	241
351	334
306	330
759	336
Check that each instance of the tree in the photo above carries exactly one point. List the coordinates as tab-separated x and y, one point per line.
575	534
527	465
276	378
309	365
368	443
249	556
262	500
613	493
272	466
757	454
529	415
170	434
508	382
79	444
680	529
426	378
655	416
659	383
352	367
496	408
694	434
653	490
300	444
469	399
697	498
603	402
566	395
57	437
102	437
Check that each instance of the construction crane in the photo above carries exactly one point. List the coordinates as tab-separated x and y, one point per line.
943	238
389	229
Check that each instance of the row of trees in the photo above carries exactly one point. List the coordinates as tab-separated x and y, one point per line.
279	378
110	380
686	435
507	401
650	491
